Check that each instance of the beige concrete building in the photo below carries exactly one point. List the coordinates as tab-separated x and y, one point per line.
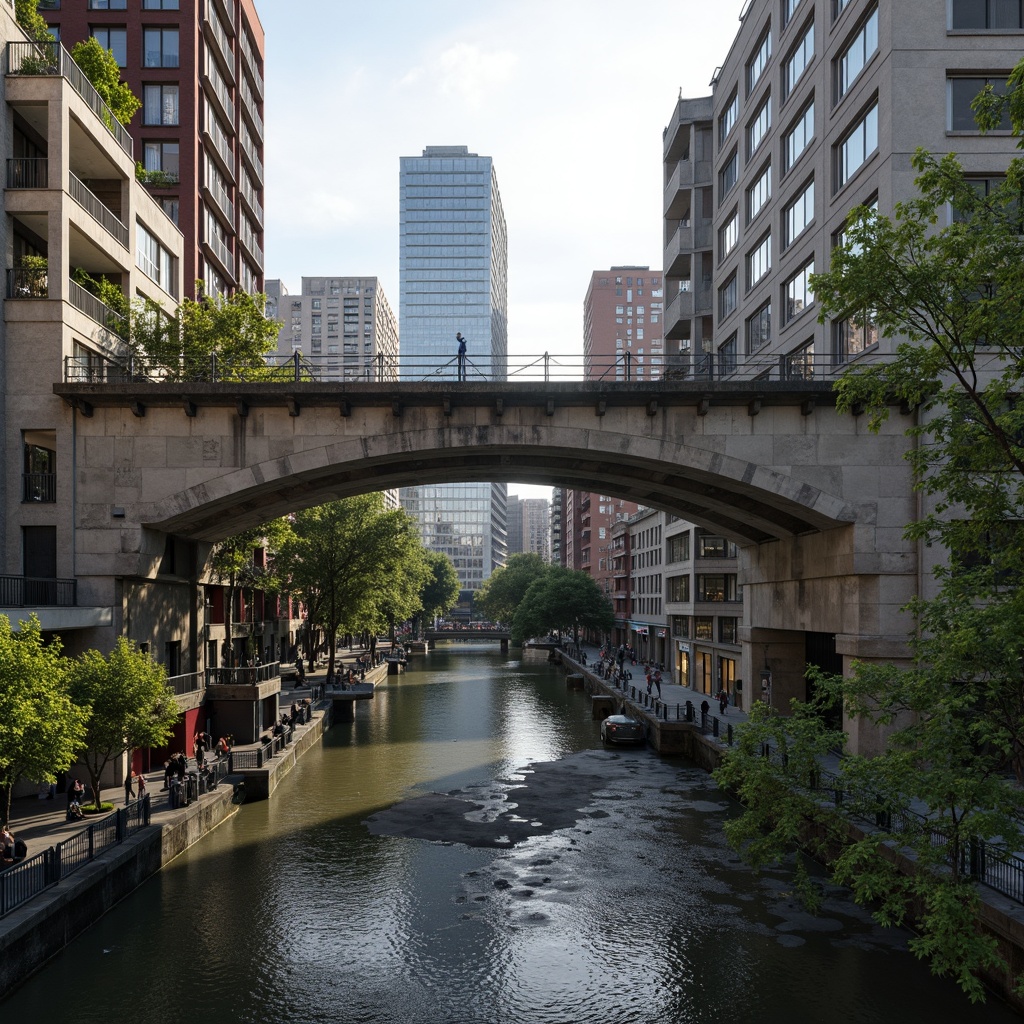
343	327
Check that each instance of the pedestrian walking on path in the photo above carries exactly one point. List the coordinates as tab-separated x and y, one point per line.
129	793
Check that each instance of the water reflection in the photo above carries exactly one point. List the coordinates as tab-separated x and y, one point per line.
636	911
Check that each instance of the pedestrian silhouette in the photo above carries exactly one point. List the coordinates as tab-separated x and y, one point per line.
461	355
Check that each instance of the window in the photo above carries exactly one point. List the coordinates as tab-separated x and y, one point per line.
799	364
797	294
797	215
160	47
716	587
727	297
759	61
727	119
986	14
679	547
854	336
759	193
161	156
758	128
796	63
159	5
961	94
154	260
728	174
759	261
788	8
863	46
838	6
799	135
704	627
108	5
759	329
678	588
170	207
115	40
159	104
857	146
715	547
727	356
728	235
728	628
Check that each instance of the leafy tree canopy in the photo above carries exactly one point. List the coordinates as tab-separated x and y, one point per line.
130	704
100	67
440	590
562	600
27	14
43	728
505	588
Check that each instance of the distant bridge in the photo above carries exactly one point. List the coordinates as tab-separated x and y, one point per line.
433	636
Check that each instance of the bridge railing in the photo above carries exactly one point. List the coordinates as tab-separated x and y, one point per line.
624	367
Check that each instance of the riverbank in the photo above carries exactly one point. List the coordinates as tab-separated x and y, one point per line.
706	745
41	927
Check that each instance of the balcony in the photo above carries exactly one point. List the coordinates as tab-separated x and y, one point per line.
249	149
221	43
28	172
88	304
28	591
218	194
26	283
252	65
51	59
216	86
251	199
678	250
221	148
222	254
680	308
96	209
39	487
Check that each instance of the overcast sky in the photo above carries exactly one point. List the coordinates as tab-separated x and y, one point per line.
569	97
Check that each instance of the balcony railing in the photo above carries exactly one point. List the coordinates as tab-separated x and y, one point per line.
249	148
23	283
213	20
221	145
189	682
249	194
220	89
53	59
31	591
88	304
252	64
244	676
28	172
222	252
93	205
40	487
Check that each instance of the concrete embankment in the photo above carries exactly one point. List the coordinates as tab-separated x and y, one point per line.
43	926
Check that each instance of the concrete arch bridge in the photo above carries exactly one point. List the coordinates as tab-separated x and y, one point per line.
816	501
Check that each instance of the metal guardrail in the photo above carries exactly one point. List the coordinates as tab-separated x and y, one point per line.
52	59
29	591
87	303
28	172
990	865
27	283
28	878
187	682
39	487
97	209
547	367
246	675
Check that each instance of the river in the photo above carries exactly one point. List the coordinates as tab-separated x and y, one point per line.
622	904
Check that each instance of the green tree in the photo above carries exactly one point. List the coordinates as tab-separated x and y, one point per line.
949	289
342	558
505	588
233	565
562	600
130	705
440	590
43	729
27	14
100	67
226	338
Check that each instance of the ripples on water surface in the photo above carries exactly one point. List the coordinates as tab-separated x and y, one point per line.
293	912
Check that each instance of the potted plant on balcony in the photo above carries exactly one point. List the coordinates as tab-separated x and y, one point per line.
31	278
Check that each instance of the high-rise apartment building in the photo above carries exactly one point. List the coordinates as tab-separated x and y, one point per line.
343	326
623	325
197	66
529	526
454	279
818	107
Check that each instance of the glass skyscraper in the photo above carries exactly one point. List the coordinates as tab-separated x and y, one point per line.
454	279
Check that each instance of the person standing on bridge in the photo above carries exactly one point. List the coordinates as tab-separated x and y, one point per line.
461	356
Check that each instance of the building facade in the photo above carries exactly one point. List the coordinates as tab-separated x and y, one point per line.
453	266
623	325
343	326
197	66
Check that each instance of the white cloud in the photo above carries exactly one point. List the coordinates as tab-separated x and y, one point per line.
463	71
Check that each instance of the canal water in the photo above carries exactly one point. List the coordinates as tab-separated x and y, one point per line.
585	886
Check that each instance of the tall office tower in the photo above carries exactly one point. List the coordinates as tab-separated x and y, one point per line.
514	512
536	527
344	326
197	66
558	495
454	278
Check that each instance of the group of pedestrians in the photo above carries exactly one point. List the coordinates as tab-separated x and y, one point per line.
134	788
